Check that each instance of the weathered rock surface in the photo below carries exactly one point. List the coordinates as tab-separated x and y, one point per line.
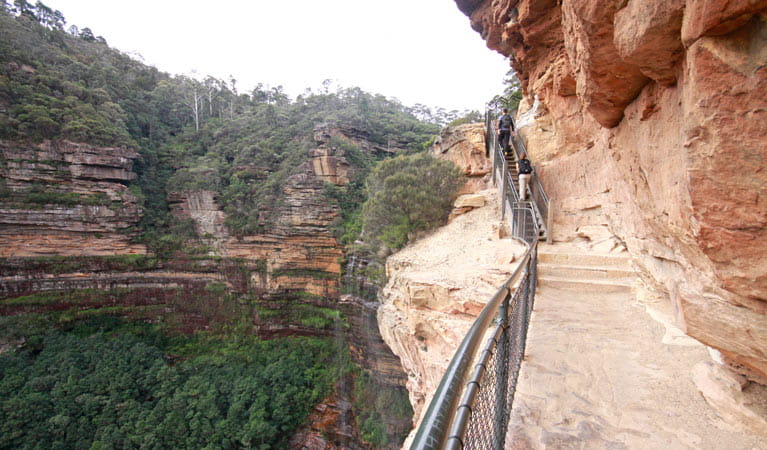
63	198
435	289
330	425
661	140
464	145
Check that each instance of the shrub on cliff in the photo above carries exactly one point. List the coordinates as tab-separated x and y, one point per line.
407	195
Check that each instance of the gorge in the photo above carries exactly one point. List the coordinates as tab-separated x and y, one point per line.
213	239
646	121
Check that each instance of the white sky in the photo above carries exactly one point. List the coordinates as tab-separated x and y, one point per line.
419	51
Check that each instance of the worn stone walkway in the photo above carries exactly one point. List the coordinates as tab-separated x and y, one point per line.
604	370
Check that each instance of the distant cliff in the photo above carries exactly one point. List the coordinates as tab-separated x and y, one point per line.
69	251
63	198
647	120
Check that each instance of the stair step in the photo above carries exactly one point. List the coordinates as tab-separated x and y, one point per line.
587	272
584	259
587	285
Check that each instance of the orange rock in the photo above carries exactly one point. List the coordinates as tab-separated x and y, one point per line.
717	17
664	143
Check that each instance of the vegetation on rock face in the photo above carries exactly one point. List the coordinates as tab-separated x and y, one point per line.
247	159
372	401
80	377
191	134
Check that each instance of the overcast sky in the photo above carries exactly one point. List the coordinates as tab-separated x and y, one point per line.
419	51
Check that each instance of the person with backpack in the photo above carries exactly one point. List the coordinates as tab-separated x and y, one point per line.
505	129
525	170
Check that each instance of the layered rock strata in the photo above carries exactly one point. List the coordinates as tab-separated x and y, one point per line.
66	223
300	251
651	123
64	198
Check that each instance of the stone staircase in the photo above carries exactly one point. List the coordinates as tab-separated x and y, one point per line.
574	268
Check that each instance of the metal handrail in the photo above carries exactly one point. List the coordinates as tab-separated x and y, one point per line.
448	421
444	420
538	194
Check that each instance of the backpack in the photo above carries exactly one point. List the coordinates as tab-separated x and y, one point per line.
505	122
525	166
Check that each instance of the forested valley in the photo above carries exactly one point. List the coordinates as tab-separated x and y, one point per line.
112	368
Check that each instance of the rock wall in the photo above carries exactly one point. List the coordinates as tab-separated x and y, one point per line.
650	122
63	198
464	145
300	251
67	219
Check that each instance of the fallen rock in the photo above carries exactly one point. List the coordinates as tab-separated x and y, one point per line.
740	402
470	200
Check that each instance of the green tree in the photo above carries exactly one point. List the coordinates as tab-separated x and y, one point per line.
512	93
407	195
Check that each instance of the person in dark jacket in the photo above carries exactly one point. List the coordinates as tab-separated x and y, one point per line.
525	171
505	129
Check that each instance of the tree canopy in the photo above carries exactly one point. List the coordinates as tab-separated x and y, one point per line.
97	388
407	195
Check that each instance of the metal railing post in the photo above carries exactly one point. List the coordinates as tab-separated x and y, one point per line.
504	190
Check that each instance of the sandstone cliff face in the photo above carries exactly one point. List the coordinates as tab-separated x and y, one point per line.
652	124
63	198
300	251
464	145
66	224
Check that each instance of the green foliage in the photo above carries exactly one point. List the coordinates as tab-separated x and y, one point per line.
304	314
303	273
191	134
372	403
68	264
469	117
216	287
408	195
40	196
57	86
247	159
106	384
512	93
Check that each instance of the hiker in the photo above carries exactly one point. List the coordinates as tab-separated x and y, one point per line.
525	170
505	129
